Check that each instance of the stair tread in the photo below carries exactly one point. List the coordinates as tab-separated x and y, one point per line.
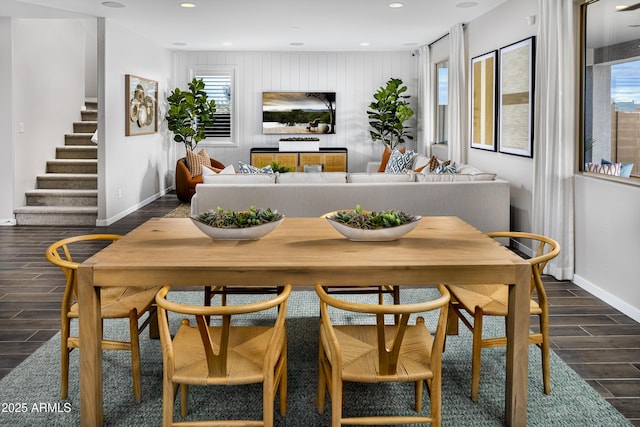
68	175
73	160
61	191
57	209
78	147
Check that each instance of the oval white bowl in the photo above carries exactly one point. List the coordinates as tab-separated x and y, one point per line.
247	233
375	235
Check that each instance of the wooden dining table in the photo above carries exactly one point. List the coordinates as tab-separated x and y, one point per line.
303	252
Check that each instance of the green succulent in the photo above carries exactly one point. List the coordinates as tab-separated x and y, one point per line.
358	218
221	218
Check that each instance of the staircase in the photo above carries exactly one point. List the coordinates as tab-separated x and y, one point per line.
67	194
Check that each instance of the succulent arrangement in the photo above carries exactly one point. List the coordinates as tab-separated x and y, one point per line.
358	218
221	218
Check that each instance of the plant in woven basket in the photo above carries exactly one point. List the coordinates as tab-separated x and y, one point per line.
369	220
221	218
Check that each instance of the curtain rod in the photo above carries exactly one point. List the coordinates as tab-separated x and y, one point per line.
441	37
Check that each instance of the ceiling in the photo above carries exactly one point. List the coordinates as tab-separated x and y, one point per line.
271	25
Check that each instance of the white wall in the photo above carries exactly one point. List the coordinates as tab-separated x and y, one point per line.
482	37
48	92
353	76
133	170
6	125
608	241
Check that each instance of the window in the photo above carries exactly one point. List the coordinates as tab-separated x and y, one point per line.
220	85
611	89
442	101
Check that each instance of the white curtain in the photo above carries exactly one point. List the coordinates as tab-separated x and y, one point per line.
555	131
457	109
425	104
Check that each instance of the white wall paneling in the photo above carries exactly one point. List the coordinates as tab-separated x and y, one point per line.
353	76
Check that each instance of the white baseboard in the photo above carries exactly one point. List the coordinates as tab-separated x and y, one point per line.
7	221
119	216
612	300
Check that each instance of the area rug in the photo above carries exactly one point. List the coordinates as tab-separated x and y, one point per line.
182	211
30	393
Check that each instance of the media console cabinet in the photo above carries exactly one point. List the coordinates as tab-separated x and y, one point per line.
331	159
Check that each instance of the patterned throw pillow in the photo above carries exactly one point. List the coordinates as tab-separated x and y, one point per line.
195	162
399	162
608	169
385	157
446	167
245	168
433	163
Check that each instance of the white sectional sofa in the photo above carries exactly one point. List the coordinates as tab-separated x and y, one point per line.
482	203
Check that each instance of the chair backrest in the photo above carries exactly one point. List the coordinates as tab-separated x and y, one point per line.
388	353
59	253
547	250
217	351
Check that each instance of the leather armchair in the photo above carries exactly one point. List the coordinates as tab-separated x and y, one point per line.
185	184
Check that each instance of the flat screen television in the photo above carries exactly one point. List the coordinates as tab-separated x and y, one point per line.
298	112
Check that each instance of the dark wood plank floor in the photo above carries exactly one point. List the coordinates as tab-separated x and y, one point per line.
598	342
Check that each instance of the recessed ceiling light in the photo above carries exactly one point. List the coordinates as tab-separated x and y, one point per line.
396	5
113	4
410	44
296	44
227	44
187	5
178	44
365	44
467	4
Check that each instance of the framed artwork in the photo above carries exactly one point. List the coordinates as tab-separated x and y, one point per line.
483	101
515	135
298	112
141	109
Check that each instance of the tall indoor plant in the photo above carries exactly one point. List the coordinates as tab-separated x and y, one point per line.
189	113
388	112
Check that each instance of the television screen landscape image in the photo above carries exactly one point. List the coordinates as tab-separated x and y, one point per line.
298	112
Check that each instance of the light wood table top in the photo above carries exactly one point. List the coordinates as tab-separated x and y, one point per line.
302	252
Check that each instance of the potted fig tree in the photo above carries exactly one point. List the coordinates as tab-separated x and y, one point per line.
388	113
190	112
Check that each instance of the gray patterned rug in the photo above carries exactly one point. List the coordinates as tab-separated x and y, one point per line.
30	393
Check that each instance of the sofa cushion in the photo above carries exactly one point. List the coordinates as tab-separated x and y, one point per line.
244	168
195	161
454	177
311	178
380	177
240	178
399	162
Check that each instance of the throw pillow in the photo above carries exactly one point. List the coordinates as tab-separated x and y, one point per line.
245	168
420	162
433	163
386	154
610	169
625	168
196	161
446	167
228	170
399	162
